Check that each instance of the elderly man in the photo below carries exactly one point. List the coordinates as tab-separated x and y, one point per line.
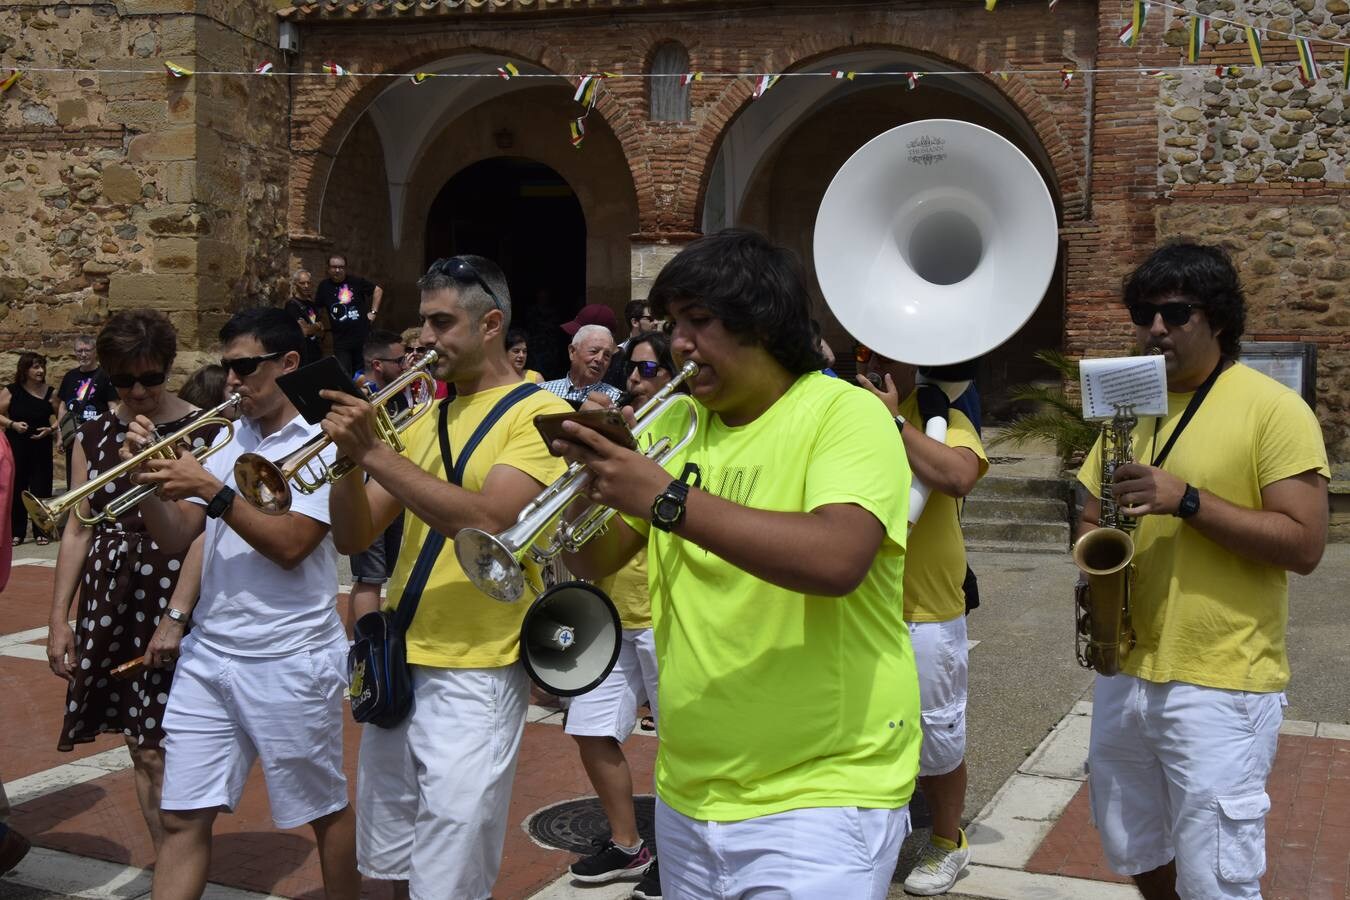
592	349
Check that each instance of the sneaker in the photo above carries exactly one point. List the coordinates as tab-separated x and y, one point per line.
937	869
13	848
610	863
649	888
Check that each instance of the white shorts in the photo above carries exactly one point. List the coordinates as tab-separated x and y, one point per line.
432	794
225	711
943	660
801	854
1179	771
611	709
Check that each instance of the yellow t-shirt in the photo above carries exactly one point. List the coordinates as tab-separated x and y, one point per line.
1202	614
627	588
772	699
936	557
457	626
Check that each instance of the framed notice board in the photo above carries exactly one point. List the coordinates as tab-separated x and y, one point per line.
1291	363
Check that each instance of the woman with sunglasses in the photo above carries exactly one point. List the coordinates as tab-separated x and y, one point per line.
121	580
28	415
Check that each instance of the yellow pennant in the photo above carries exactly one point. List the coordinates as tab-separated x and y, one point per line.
177	71
13	76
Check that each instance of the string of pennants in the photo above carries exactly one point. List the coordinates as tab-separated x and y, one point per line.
589	86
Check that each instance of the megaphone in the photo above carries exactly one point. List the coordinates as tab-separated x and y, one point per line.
569	638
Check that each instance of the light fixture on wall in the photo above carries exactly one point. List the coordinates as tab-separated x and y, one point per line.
505	139
288	37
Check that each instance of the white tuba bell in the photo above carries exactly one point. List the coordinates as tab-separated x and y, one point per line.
936	240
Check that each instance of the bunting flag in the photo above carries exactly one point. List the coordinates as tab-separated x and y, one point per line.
1066	74
13	76
1254	44
1229	71
989	5
1052	3
912	79
1129	35
507	71
578	128
177	71
1160	75
333	68
1003	75
263	68
419	77
690	76
587	90
1195	37
839	73
1307	66
764	83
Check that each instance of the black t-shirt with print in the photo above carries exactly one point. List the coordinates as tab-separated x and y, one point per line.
347	304
86	394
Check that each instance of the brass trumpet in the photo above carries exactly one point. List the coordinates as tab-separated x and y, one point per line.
47	513
266	484
494	563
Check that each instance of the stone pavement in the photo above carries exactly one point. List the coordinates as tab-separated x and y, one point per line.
1029	712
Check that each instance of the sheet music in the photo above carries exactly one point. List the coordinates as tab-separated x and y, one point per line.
1135	381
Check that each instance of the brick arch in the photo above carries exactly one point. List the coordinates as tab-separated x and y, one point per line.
1068	172
317	140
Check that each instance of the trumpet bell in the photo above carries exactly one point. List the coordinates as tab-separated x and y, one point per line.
491	565
262	483
569	638
936	240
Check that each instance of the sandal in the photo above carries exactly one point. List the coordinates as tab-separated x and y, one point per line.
647	723
17	541
42	540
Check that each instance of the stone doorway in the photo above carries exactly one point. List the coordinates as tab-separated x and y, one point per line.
524	216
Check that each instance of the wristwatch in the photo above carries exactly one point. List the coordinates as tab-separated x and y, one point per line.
668	507
220	502
1190	503
177	615
900	423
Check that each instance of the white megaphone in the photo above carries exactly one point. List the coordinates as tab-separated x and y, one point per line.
569	638
937	240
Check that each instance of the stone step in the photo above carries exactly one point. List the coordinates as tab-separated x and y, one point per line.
1014	547
1014	486
1015	509
1056	533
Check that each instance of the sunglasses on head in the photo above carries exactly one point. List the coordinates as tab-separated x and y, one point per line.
122	381
245	366
1173	314
460	270
645	368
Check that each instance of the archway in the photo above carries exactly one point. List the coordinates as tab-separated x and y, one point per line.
524	216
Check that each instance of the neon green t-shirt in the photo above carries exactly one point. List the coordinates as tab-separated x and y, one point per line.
772	699
457	626
935	566
1202	614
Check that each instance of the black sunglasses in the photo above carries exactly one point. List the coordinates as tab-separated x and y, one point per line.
1173	314
245	366
122	381
461	270
646	368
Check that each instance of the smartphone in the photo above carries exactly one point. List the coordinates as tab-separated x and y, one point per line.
609	422
302	387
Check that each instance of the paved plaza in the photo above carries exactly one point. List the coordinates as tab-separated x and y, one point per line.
1029	716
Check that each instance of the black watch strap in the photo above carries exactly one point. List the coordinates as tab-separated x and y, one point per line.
220	502
1190	503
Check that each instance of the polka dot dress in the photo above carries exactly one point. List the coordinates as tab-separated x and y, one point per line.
124	588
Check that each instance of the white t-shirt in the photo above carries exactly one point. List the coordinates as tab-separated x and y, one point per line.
249	605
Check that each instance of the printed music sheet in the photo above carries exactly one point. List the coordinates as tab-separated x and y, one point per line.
1138	383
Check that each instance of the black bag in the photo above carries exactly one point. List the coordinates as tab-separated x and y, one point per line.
380	686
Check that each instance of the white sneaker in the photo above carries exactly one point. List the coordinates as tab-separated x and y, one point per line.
937	870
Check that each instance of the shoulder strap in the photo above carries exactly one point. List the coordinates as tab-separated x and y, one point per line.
435	541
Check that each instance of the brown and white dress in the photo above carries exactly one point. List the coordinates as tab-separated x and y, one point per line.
124	588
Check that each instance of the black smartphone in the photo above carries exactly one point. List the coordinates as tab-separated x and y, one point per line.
609	422
302	387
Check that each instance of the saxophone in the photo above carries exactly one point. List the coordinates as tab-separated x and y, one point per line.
1104	636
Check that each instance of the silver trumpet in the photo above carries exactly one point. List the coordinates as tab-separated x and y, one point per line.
495	563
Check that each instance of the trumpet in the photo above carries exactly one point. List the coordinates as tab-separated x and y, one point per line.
495	563
47	513
266	484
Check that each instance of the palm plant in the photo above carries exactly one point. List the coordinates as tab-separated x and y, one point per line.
1057	418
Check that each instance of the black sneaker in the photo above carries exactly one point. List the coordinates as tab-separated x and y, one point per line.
609	863
649	888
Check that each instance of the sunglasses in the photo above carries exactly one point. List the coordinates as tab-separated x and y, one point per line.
1173	314
460	270
645	368
245	366
388	359
149	379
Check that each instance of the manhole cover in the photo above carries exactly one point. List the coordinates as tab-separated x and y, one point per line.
575	825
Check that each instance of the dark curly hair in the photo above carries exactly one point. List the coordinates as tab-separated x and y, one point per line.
756	289
1202	274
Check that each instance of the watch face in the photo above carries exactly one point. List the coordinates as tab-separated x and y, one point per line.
667	509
